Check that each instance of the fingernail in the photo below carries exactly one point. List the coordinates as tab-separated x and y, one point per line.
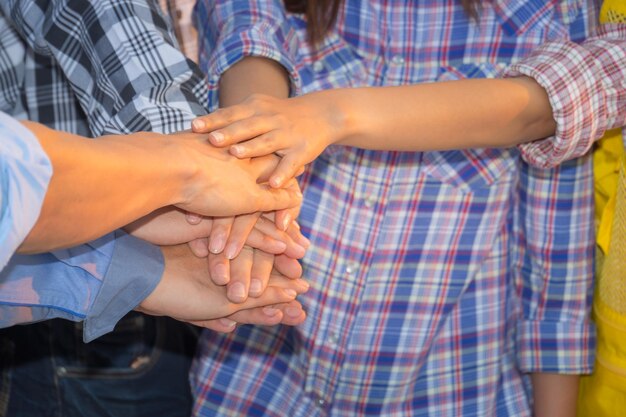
237	291
270	311
304	242
218	137
193	218
280	246
295	223
293	311
231	251
220	274
228	323
198	124
304	285
291	293
236	150
286	222
256	287
216	244
276	181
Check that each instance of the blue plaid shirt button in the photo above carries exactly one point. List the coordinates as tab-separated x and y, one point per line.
397	60
318	66
351	268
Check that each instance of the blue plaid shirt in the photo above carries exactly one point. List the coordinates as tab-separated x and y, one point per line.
439	279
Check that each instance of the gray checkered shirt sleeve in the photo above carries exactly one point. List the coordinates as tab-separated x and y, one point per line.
121	60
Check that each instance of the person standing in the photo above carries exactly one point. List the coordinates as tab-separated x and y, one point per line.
443	280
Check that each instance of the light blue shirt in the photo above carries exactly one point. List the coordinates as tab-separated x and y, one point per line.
25	172
98	282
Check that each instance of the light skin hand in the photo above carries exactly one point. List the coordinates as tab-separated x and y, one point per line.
298	130
290	314
169	226
185	294
217	187
259	232
220	266
462	114
249	273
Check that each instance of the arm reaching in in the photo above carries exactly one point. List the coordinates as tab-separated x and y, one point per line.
119	179
489	113
186	294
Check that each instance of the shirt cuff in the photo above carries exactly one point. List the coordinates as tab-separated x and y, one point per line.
569	74
259	42
135	271
556	347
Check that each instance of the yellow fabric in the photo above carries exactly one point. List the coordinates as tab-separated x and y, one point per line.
603	394
606	160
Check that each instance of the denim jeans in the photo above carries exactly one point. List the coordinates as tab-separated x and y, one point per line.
138	370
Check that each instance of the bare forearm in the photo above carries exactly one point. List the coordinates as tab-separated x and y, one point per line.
554	395
98	186
441	116
253	75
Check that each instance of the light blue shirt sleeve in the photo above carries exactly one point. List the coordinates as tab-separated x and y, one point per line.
25	172
98	282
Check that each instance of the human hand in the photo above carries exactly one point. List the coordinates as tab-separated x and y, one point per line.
248	272
185	294
229	234
290	314
298	129
169	226
223	185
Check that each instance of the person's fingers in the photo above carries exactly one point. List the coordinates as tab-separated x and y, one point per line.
223	325
193	218
239	232
240	269
271	314
220	118
263	166
219	268
270	199
287	168
295	233
291	314
258	240
299	285
267	227
199	247
264	144
219	233
284	218
262	266
287	266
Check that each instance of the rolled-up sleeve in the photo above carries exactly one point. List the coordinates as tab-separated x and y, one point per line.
555	268
25	172
97	282
586	87
232	30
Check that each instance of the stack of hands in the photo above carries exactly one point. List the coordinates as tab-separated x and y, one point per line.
221	271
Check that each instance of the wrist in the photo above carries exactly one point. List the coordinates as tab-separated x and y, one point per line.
183	171
344	120
337	112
